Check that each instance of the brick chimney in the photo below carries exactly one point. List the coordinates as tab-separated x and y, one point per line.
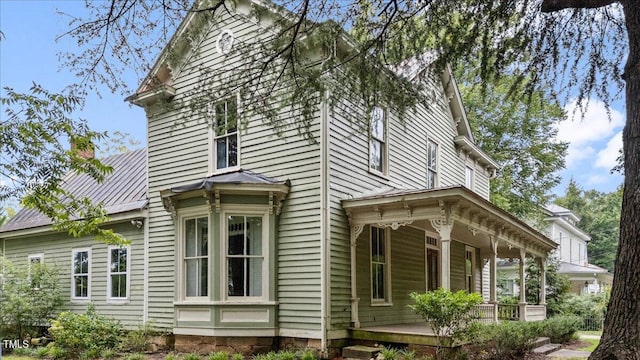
88	153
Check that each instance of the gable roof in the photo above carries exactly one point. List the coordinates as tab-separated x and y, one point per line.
123	190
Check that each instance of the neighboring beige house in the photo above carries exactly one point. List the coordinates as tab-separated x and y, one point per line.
244	237
571	253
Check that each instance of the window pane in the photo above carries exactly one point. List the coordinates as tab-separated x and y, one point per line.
203	236
221	153
377	123
119	286
232	116
192	277
233	149
378	281
190	237
221	125
431	179
254	235
236	235
376	155
81	286
236	276
254	275
204	277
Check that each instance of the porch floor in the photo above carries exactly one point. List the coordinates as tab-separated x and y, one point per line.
410	333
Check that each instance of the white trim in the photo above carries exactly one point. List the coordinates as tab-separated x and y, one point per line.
185	214
225	332
145	270
387	301
309	334
73	285
219	48
112	299
472	250
469	176
436	181
325	223
384	162
246	211
213	154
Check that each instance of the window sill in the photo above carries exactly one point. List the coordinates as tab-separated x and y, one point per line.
203	302
381	304
80	301
225	170
245	302
379	174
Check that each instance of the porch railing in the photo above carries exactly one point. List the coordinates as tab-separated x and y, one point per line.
484	312
508	312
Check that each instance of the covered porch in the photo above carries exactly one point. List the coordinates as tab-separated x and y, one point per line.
419	240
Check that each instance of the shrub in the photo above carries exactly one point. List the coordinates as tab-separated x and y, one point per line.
561	329
218	355
135	356
511	339
286	355
307	354
191	356
42	352
171	357
138	340
76	333
108	354
388	353
28	299
448	314
57	353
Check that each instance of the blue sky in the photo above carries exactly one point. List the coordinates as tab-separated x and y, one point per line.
28	53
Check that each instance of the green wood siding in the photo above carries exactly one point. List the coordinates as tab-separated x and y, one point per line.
407	275
179	154
57	249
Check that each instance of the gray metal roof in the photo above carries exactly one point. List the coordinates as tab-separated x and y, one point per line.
123	190
236	177
568	268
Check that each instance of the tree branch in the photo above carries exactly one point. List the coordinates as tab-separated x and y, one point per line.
557	5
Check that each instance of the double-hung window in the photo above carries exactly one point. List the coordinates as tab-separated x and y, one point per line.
469	268
378	150
81	274
245	251
35	269
196	256
432	164
468	177
118	273
432	263
380	266
225	140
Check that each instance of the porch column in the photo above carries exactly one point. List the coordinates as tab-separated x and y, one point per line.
355	320
444	227
543	281
493	292
523	289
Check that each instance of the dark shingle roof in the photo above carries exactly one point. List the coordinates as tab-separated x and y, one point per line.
123	190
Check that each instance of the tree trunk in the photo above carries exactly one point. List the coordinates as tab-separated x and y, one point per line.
621	335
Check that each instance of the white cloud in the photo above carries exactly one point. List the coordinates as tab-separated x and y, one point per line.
607	157
585	130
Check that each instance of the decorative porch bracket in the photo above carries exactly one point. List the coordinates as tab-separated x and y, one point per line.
356	230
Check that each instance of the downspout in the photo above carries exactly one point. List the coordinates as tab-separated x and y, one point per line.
324	224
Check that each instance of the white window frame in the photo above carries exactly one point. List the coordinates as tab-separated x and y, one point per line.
127	273
31	257
469	176
472	250
183	215
435	170
387	301
213	153
249	211
73	275
384	142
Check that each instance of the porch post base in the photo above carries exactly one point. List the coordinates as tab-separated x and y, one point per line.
523	311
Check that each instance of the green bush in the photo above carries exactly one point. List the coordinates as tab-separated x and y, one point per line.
238	356
191	356
561	329
218	355
448	314
28	299
510	339
138	340
77	333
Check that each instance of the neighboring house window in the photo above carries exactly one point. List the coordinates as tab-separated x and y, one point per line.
225	140
380	257
378	141
245	250
508	287
468	177
118	273
81	274
432	164
469	269
432	263
196	256
34	271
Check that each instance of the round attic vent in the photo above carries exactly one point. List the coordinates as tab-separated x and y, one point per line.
224	42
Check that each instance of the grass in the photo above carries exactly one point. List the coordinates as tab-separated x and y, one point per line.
16	357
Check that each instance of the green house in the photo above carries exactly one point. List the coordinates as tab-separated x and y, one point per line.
244	239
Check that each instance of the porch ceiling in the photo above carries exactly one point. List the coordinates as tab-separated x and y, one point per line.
457	206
